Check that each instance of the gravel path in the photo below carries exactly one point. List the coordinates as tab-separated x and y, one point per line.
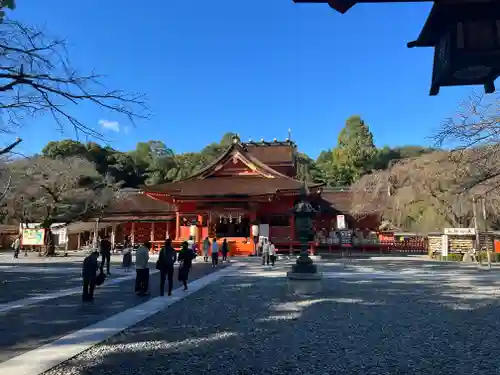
27	328
29	279
268	325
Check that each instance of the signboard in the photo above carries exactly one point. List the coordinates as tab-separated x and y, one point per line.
61	235
460	231
59	232
264	230
341	222
346	237
444	245
33	237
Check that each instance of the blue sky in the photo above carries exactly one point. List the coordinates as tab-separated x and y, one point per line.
253	67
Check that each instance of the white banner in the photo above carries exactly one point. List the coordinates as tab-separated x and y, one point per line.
341	222
444	245
460	231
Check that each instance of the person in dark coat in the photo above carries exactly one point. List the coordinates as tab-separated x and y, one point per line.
16	246
165	265
105	248
185	258
50	244
224	250
215	253
89	274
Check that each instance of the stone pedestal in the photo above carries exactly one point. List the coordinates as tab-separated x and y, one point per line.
304	269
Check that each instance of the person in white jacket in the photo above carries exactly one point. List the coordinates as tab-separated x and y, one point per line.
142	269
265	251
272	253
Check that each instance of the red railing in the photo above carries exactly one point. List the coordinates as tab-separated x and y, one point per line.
415	246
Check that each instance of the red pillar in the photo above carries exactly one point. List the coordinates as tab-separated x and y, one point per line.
177	225
167	232
292	227
199	230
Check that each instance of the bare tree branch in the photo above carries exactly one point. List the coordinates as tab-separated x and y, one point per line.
473	136
428	192
10	147
60	190
36	77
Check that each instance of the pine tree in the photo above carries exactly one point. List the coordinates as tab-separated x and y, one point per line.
355	151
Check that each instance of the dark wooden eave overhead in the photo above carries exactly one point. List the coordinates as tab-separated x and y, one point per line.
342	6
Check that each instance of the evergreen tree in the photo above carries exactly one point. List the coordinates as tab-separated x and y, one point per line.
355	151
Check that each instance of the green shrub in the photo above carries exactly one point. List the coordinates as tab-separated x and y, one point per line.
453	257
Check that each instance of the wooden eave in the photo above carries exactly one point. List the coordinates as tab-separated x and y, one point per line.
342	6
445	12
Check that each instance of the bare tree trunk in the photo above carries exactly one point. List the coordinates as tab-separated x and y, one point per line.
474	211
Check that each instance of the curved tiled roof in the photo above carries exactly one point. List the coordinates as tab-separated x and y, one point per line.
272	153
137	204
228	186
202	184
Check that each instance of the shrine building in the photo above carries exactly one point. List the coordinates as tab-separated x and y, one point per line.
250	184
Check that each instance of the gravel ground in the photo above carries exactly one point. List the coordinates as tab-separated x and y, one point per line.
27	328
268	325
30	279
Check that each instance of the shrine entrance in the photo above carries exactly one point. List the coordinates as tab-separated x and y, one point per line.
230	226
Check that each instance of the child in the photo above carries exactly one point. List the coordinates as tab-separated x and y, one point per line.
127	259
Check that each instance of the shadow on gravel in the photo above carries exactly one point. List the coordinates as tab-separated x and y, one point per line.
27	328
270	325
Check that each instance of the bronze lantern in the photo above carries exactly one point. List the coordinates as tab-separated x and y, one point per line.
466	38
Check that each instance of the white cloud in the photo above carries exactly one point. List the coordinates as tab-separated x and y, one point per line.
126	130
110	125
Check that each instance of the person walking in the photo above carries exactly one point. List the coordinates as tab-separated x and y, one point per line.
50	245
265	251
186	257
272	253
89	274
192	244
206	249
224	250
16	246
259	246
215	253
165	265
105	249
142	269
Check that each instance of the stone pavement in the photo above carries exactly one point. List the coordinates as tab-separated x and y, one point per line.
27	323
364	317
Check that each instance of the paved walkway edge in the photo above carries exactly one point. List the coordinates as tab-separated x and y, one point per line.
44	358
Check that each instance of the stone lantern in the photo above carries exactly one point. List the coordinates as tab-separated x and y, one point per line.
304	212
466	38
